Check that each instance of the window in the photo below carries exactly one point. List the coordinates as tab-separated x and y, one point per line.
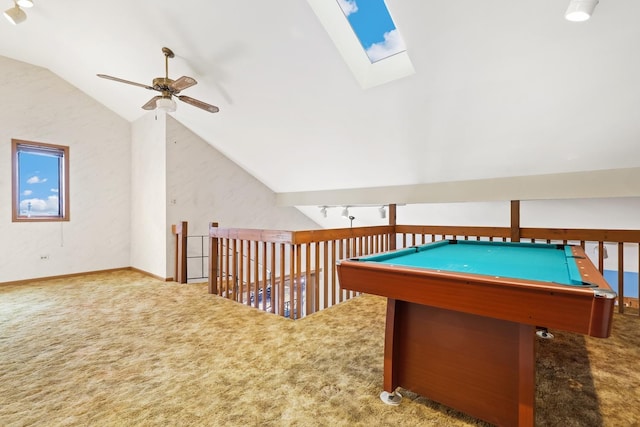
40	174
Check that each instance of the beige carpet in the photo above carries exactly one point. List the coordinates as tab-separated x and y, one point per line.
123	349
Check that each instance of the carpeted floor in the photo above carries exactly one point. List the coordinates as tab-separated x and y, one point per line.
123	349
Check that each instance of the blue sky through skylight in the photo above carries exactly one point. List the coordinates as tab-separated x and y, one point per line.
372	24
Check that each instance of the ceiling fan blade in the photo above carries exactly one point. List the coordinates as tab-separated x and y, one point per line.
182	83
208	107
116	79
151	104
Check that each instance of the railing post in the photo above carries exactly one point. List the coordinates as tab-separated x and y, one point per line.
515	220
392	222
180	267
213	261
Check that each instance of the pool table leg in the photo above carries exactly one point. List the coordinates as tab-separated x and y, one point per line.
482	366
390	373
527	380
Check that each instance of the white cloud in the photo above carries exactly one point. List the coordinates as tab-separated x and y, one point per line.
348	6
40	206
54	190
391	45
27	192
36	180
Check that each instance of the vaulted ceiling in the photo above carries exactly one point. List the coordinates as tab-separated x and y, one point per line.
501	88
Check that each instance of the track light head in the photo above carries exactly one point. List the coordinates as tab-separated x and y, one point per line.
580	10
382	211
345	212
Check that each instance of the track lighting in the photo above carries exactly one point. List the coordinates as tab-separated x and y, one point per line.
605	254
382	211
580	10
15	15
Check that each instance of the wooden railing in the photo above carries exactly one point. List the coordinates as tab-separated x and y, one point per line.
293	273
290	273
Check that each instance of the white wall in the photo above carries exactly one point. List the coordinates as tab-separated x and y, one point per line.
120	190
615	213
204	186
39	106
148	194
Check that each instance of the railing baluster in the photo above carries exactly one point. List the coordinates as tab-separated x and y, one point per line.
256	274
292	274
325	273
309	292
621	277
248	280
234	272
272	280
241	279
282	281
340	256
264	276
334	279
601	257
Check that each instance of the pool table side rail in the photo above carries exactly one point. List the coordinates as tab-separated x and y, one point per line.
575	309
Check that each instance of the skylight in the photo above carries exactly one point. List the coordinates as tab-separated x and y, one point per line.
374	27
366	38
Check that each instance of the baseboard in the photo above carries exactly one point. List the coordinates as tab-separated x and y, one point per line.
146	273
62	276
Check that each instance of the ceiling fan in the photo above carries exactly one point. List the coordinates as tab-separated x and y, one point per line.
168	88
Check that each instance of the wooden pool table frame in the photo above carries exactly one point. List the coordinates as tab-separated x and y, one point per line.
467	340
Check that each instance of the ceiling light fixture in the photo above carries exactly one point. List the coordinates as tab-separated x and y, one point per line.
25	3
345	212
166	104
323	211
15	15
580	10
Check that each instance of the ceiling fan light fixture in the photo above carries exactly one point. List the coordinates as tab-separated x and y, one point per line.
166	104
15	15
25	3
168	88
580	10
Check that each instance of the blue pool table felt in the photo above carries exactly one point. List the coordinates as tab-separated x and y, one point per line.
528	261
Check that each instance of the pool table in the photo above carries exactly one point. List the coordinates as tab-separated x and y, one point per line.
462	318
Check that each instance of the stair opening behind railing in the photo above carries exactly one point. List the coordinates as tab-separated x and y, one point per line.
287	274
197	258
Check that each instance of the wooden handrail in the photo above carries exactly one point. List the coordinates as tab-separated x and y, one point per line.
293	273
307	258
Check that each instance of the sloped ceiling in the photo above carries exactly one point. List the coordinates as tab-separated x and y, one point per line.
501	88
